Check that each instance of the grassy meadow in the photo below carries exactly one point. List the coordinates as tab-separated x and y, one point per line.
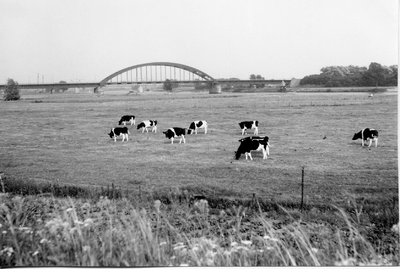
63	139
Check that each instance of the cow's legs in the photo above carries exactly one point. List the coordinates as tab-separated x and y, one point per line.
256	131
172	140
370	142
376	142
264	153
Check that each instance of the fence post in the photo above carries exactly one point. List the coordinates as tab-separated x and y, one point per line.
113	191
302	187
1	181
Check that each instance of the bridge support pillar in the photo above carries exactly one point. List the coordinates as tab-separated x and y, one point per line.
215	88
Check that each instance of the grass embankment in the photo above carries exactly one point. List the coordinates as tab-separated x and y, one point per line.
175	229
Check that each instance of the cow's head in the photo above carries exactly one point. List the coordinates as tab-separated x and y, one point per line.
357	136
111	134
237	154
166	134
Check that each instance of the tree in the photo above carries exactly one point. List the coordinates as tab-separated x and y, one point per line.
11	92
168	85
65	88
258	77
375	75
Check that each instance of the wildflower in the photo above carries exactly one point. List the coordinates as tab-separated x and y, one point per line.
315	250
396	228
266	237
4	232
69	210
86	248
350	261
157	204
260	250
269	248
88	222
195	248
85	205
43	240
78	222
179	247
246	242
163	243
35	253
8	250
234	244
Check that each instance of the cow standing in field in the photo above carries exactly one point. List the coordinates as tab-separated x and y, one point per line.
253	143
249	125
196	125
127	118
175	132
119	131
148	124
367	135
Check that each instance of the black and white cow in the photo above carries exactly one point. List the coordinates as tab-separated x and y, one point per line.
249	125
147	124
196	125
175	132
119	131
127	118
367	135
253	143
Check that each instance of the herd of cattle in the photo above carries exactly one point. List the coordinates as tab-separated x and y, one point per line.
247	145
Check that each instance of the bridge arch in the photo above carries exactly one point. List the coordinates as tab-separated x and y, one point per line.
192	70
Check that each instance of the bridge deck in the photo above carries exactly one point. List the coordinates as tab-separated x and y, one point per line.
97	84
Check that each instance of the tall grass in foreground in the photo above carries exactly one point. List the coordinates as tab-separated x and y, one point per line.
44	231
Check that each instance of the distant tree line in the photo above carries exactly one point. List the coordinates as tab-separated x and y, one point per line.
348	76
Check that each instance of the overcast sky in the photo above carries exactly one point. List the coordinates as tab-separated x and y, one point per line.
87	40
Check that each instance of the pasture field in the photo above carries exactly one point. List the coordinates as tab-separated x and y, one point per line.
64	137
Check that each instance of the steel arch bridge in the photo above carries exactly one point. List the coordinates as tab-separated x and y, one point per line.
156	72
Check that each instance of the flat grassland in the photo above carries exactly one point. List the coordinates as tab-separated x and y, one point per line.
64	137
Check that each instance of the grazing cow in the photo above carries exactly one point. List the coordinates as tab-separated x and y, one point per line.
249	125
175	132
196	125
367	134
147	124
127	118
119	131
249	144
